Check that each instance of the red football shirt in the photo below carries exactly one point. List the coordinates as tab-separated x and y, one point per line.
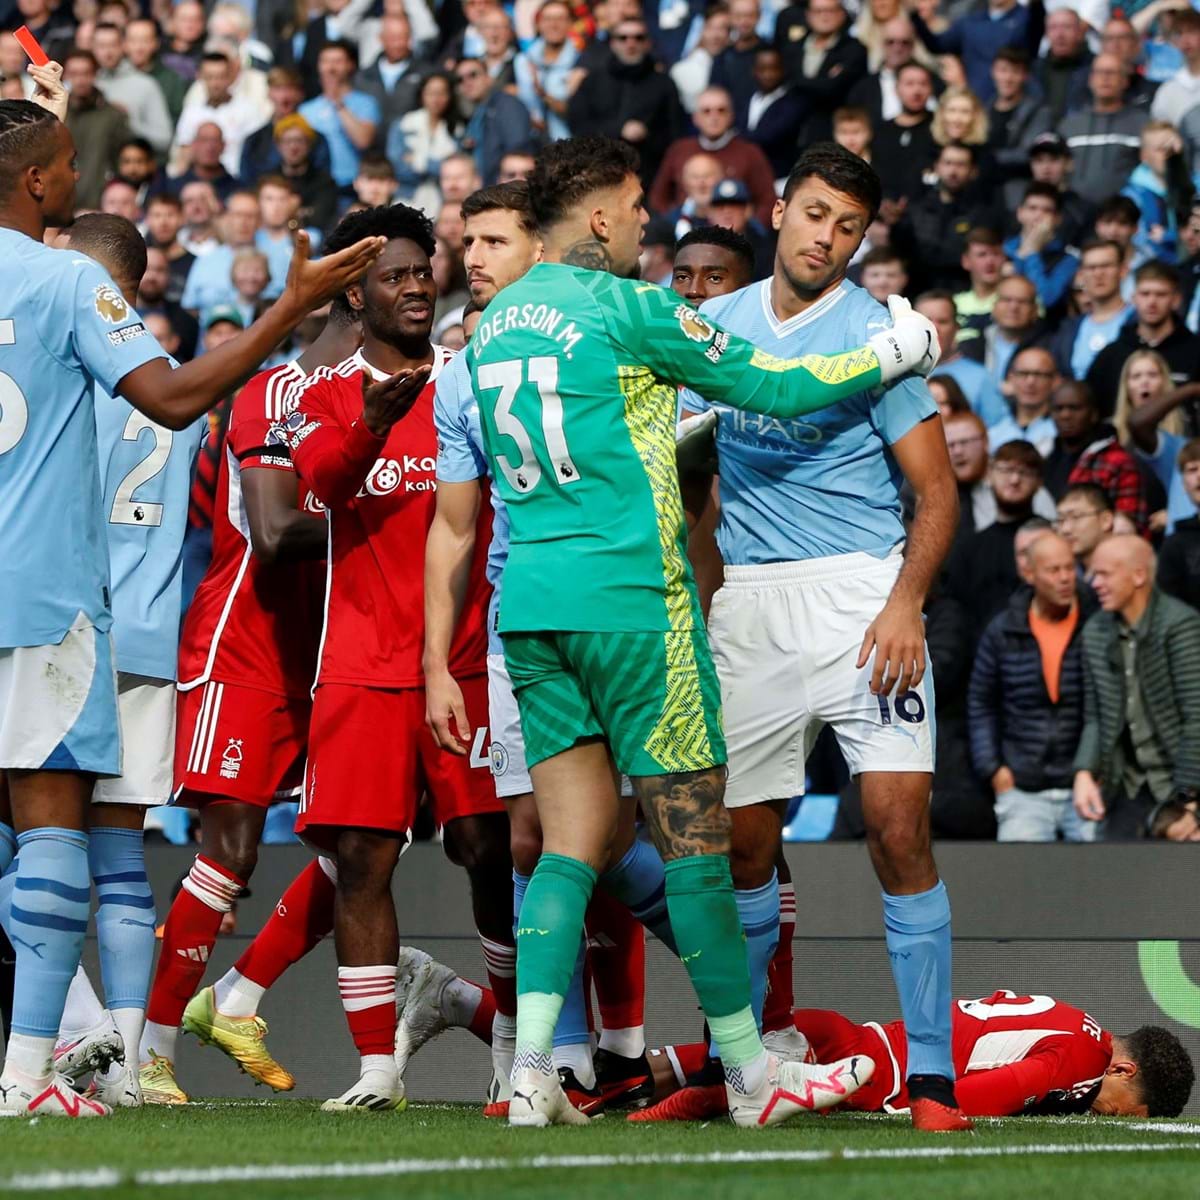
1018	1054
379	495
252	623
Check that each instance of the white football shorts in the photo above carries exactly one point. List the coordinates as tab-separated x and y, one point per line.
506	754
147	708
58	705
785	639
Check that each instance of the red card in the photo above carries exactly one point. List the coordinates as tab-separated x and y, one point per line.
29	44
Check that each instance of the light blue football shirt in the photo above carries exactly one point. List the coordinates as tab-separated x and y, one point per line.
825	483
64	329
461	459
146	477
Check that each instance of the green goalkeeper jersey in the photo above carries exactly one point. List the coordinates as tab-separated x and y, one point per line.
575	374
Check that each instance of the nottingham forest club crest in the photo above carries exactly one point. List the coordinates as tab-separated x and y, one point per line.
694	326
110	304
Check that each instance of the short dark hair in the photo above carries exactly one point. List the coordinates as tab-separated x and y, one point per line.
276	181
106	26
1154	269
1046	190
956	398
972	152
1118	208
980	235
138	143
937	294
1023	453
376	166
726	239
1014	55
343	44
1081	391
78	53
502	197
878	255
1100	499
569	170
113	242
913	65
1189	452
386	221
214	56
1165	1071
27	139
167	198
1096	243
838	168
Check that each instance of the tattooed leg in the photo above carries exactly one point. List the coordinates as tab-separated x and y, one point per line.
686	813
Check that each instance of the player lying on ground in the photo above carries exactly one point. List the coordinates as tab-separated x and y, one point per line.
1013	1055
575	371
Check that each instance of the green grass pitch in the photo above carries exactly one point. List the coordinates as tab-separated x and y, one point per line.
263	1150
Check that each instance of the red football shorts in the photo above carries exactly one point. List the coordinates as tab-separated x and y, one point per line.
238	742
371	759
833	1036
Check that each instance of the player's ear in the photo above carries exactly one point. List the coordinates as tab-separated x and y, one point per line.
354	297
777	214
598	223
1126	1068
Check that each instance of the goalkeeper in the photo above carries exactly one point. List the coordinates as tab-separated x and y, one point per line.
575	371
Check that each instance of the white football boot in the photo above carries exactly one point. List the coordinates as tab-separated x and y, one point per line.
790	1088
538	1100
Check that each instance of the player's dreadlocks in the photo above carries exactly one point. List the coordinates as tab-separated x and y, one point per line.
567	171
1164	1069
27	139
386	221
841	170
717	235
113	242
502	197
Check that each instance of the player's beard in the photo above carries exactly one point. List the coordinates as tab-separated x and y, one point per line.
387	324
810	289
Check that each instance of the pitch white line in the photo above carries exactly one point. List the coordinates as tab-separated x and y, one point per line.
1165	1126
108	1177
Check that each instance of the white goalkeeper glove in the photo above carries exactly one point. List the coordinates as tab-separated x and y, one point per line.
910	345
696	444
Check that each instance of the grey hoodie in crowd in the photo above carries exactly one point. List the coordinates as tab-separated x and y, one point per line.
1105	146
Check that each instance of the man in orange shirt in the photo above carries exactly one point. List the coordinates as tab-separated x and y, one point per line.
1025	703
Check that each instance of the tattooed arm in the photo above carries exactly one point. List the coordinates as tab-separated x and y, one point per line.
686	813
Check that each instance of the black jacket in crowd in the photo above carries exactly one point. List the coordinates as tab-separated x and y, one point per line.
1180	348
1179	563
1012	721
932	234
844	64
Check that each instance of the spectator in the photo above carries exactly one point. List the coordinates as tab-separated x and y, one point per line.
1014	325
449	228
499	48
1117	220
852	131
949	398
154	296
731	208
1189	269
734	69
1050	162
628	97
260	154
1103	137
207	154
136	165
130	89
451	280
1179	562
296	142
120	199
883	274
332	22
1155	427
164	220
981	393
498	122
932	232
1161	186
1015	117
657	260
1027	537
692	74
876	92
250	275
1080	339
229	23
961	118
210	281
977	37
375	184
982	571
1141	743
1038	251
1085	518
394	78
823	63
97	127
516	166
1119	37
466	40
345	118
235	118
142	49
185	44
279	213
1153	326
903	146
1032	377
1061	73
700	176
983	261
775	113
51	24
159	327
544	70
1181	93
457	177
1025	704
424	139
739	158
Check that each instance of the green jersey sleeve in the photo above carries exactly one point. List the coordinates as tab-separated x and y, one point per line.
654	327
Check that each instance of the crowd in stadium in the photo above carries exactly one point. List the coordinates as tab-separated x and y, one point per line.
1027	178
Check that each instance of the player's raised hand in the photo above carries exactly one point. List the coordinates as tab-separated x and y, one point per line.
897	636
446	713
310	284
910	345
49	93
389	400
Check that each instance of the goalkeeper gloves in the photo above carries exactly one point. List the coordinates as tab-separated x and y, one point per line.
910	345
